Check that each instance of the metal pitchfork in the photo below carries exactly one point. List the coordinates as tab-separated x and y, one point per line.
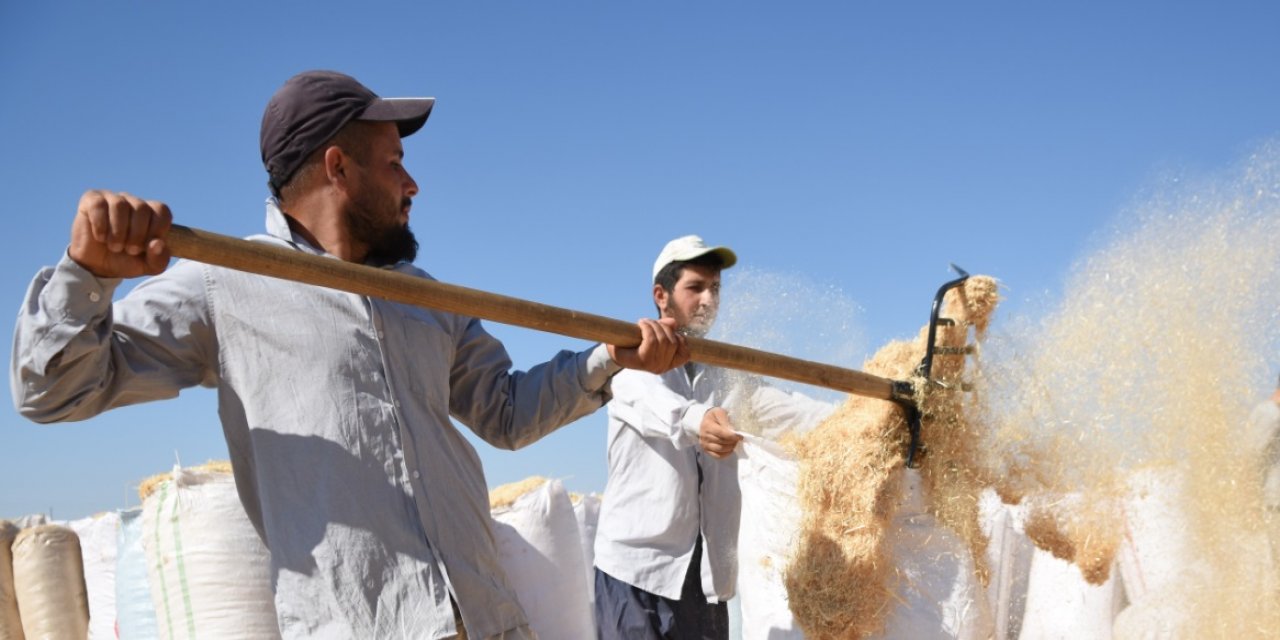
904	392
297	266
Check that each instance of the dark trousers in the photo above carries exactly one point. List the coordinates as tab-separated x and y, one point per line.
624	612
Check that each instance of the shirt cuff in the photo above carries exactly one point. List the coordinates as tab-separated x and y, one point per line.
691	423
77	292
598	368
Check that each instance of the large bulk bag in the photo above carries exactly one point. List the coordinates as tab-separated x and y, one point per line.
10	623
1155	556
766	536
1155	616
1009	556
1156	551
135	612
938	595
48	576
209	571
1169	574
98	550
1062	605
586	510
541	552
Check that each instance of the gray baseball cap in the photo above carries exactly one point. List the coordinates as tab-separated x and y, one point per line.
311	107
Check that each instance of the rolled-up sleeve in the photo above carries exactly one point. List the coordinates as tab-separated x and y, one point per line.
643	402
76	354
774	412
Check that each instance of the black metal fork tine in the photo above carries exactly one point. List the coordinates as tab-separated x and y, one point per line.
906	396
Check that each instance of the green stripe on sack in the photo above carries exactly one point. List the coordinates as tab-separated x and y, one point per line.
182	568
164	586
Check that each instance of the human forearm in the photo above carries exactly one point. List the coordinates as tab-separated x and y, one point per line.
512	409
75	355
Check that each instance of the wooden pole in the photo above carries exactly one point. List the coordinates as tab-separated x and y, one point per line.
278	262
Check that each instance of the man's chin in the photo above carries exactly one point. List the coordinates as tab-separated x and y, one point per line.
694	331
395	247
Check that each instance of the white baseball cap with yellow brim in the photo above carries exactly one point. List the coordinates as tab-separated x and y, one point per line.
688	248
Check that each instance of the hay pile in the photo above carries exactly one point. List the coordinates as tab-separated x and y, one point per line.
840	582
1165	338
507	494
149	485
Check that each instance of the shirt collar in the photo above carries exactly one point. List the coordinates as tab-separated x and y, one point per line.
278	226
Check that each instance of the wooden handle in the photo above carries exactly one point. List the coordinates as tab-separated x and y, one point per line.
278	262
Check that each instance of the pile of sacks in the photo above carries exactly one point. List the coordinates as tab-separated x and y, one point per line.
189	562
545	540
188	559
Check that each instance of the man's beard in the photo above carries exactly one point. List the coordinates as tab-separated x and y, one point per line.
690	329
388	242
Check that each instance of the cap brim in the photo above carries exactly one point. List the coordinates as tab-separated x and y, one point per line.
727	255
727	258
409	114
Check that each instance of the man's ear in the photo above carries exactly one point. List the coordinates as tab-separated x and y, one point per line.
335	166
659	297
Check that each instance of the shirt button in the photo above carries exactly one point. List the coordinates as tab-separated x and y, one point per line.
94	297
381	335
416	475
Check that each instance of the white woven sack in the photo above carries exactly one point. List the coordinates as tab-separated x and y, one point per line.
1156	551
938	594
1160	566
1061	605
1009	555
48	577
1156	616
98	550
10	623
541	551
587	512
766	536
208	570
939	597
135	612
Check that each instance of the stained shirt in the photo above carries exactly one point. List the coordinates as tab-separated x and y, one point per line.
663	491
336	411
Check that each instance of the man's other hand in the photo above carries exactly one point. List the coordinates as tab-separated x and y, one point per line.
117	235
716	435
661	348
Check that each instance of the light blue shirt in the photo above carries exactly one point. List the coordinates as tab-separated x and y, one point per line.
336	410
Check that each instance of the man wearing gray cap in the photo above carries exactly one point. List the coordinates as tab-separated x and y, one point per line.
667	537
335	407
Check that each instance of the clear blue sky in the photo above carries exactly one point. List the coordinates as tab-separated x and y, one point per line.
858	146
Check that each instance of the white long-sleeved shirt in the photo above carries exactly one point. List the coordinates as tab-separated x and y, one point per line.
654	505
336	411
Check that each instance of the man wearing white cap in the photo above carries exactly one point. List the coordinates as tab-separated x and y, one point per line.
665	549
